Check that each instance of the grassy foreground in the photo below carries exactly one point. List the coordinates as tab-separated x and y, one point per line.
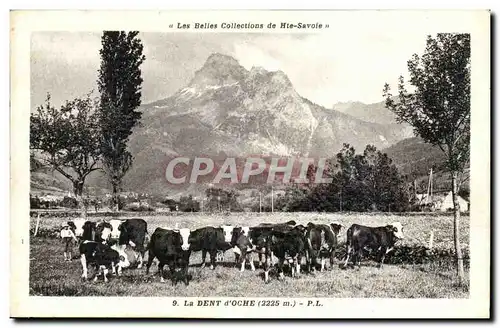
50	275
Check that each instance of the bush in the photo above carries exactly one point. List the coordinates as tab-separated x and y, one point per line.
68	202
35	202
416	254
139	207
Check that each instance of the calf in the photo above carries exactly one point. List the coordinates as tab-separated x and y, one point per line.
289	245
378	239
321	243
211	240
171	247
101	256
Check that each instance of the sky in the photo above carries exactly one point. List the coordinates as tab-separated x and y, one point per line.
325	68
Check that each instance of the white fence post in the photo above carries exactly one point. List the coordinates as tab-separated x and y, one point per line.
37	224
431	239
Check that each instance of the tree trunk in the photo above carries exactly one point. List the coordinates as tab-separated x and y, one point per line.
116	198
456	228
78	190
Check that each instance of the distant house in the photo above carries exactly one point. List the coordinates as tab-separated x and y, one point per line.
441	201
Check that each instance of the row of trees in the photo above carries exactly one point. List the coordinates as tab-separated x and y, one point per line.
360	182
88	134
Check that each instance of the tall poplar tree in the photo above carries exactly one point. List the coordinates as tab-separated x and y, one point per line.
119	84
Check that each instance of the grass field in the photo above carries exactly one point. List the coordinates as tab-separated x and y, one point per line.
50	275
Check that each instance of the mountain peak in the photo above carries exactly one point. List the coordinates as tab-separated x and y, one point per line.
219	69
220	59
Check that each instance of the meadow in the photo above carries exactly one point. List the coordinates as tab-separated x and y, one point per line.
51	276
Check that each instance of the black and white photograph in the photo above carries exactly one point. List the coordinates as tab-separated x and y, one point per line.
251	164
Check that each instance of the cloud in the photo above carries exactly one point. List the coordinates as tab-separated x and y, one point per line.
329	67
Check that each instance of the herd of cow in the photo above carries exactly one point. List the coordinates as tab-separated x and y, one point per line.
118	244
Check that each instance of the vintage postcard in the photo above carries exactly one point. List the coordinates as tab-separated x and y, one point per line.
250	164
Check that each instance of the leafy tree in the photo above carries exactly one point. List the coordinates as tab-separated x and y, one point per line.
439	107
66	140
219	199
188	204
119	83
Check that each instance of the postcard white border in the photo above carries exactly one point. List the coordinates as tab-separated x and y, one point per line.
477	23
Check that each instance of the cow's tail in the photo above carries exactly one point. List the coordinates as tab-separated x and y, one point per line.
147	241
349	245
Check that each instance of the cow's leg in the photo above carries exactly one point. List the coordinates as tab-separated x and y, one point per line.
119	270
243	259
280	268
260	256
358	257
314	262
185	271
323	264
140	259
297	265
213	254
332	259
83	260
160	270
250	259
381	259
105	272
150	261
203	257
349	251
98	272
272	258
266	269
173	276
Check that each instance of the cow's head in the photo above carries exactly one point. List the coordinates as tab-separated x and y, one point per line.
103	230
78	226
245	231
124	260
336	227
228	232
116	228
184	234
291	222
397	229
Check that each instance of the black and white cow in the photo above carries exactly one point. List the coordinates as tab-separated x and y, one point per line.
133	232
243	247
287	246
210	240
170	247
378	239
100	255
321	244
